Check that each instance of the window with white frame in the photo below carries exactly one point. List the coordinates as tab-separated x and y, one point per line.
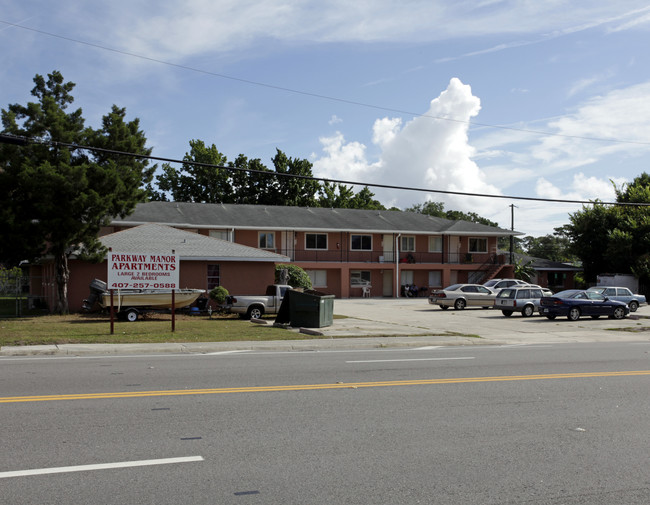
318	278
316	241
435	243
214	277
361	242
359	278
478	245
435	278
266	240
407	243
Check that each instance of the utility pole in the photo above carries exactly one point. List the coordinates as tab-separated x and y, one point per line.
512	237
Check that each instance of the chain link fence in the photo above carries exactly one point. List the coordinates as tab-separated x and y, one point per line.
15	300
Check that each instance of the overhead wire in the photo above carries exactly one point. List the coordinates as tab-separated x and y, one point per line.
23	141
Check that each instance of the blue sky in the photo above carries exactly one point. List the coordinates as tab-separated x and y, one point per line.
546	99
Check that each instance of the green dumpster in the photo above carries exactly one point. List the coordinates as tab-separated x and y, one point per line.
311	309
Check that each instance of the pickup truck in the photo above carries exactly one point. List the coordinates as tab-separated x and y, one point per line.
254	307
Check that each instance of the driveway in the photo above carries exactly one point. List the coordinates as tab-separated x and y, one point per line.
416	317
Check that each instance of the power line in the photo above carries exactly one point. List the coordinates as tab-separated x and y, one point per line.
23	141
318	95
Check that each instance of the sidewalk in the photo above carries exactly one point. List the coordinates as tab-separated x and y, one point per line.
382	323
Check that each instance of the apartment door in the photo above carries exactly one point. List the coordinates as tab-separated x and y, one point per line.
387	282
454	250
389	247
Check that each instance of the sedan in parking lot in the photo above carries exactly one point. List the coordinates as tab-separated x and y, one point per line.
574	303
460	296
621	295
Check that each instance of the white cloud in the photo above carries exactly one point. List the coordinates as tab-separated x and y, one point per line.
180	29
428	152
334	120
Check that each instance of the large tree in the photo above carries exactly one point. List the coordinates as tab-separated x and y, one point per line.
199	179
614	239
437	209
56	197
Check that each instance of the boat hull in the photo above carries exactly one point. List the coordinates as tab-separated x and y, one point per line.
150	299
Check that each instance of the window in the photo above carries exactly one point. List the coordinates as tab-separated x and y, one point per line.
408	243
361	242
435	278
406	277
266	240
359	278
477	245
435	243
213	276
318	278
220	234
316	241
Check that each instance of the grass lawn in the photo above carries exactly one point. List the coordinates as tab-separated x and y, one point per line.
154	328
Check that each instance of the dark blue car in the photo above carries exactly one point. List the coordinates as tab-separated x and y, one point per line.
574	303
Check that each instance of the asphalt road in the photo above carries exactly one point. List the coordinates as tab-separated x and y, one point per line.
493	424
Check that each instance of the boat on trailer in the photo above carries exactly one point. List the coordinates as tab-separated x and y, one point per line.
130	303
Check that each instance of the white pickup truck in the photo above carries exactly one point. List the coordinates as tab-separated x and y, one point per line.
254	307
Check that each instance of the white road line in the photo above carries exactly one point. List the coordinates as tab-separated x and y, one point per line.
217	353
101	466
415	359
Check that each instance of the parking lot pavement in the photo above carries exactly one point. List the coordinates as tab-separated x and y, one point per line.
389	322
416	317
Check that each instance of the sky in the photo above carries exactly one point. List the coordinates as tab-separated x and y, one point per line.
515	99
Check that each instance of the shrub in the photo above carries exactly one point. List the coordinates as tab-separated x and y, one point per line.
298	278
219	294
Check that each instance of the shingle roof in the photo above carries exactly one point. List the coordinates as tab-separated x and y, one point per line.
154	238
259	217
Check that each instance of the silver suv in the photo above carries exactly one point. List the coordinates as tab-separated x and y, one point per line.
524	299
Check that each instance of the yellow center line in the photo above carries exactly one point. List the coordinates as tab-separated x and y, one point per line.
308	387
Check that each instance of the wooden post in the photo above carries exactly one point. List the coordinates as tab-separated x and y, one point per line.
112	313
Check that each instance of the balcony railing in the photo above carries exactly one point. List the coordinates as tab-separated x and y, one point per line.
344	256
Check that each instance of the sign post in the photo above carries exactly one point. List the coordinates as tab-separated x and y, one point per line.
143	271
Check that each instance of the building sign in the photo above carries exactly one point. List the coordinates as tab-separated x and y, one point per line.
142	271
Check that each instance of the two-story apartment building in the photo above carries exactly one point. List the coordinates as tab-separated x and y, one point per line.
346	252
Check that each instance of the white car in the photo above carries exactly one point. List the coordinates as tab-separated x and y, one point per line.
497	284
460	296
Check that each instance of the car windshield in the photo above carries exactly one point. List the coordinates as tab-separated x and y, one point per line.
506	293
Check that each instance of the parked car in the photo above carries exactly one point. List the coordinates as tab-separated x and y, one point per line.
460	296
574	303
498	284
621	295
524	299
545	291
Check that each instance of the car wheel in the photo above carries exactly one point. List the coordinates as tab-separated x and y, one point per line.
574	314
633	306
459	304
131	315
619	313
506	313
528	311
255	312
444	307
551	317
